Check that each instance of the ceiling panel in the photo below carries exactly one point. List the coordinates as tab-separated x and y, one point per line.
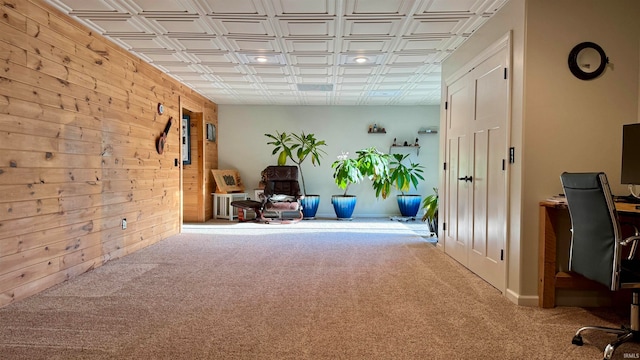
258	51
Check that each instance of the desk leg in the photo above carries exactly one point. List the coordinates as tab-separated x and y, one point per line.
547	257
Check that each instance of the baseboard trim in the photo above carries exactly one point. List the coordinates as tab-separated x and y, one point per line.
529	300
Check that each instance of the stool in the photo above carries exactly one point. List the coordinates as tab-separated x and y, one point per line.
222	208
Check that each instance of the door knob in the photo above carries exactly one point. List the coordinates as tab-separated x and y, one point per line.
466	178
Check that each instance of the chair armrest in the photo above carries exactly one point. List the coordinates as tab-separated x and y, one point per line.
633	240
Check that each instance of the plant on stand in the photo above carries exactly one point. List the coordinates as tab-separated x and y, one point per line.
299	147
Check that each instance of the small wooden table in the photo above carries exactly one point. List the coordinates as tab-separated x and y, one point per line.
553	219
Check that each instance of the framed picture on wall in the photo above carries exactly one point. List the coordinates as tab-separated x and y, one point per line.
186	140
211	132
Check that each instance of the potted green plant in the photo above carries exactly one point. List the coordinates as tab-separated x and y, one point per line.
430	207
307	146
299	147
369	163
404	177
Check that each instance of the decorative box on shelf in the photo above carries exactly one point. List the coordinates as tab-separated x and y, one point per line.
375	129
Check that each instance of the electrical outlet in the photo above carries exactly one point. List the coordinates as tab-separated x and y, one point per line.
124	224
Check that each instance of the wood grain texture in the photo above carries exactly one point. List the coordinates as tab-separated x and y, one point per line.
78	124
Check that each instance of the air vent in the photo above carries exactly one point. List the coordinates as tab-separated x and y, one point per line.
315	87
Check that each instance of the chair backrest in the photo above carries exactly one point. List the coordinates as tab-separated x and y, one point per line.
595	241
281	180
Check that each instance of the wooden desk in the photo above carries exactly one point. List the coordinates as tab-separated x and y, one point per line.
552	218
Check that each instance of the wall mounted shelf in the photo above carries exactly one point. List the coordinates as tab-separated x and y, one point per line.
422	132
403	148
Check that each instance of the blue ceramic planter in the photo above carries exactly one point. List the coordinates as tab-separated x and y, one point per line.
310	206
409	204
343	206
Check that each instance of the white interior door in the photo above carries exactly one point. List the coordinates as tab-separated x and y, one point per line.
456	197
489	154
475	178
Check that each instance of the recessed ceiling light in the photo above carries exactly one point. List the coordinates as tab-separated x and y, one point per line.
361	60
261	59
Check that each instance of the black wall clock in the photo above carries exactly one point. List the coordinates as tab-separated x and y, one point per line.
587	61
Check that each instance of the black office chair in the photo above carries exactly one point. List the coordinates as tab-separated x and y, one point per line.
596	248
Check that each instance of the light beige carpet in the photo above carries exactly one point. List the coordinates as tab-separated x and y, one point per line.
313	290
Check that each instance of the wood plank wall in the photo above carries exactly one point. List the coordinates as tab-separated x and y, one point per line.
78	126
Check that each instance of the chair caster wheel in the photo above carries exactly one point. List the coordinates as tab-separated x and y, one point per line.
577	340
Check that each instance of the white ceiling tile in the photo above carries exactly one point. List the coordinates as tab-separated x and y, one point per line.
378	7
319	70
85	6
158	7
180	26
254	44
417	44
311	59
198	44
304	7
307	27
437	27
209	58
366	45
357	70
309	45
268	70
371	27
232	8
244	27
409	58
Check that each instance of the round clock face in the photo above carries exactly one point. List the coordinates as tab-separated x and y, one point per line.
587	61
160	109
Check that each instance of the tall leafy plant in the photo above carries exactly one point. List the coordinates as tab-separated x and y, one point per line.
297	147
401	176
346	172
280	142
369	163
306	146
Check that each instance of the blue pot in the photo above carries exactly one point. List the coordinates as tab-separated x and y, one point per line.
343	206
310	206
409	204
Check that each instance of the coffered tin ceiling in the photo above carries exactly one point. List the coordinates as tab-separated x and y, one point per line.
293	52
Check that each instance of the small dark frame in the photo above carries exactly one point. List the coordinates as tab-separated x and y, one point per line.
211	132
575	68
186	140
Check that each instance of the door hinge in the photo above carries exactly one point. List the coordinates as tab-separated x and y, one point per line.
446	105
505	73
503	165
512	155
444	226
501	254
444	166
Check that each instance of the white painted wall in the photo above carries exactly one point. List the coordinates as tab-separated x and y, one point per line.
559	123
243	146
